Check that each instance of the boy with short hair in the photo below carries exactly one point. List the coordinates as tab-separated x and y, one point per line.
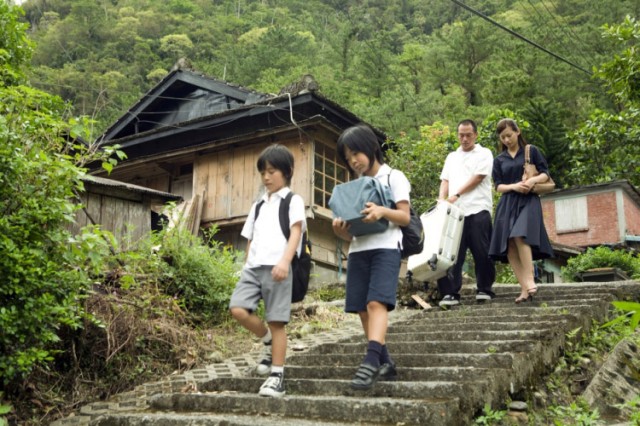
267	274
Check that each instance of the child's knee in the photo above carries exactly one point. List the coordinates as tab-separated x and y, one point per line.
276	325
239	313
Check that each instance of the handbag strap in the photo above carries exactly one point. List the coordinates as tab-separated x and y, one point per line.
527	154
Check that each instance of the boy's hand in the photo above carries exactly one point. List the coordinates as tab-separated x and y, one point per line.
280	271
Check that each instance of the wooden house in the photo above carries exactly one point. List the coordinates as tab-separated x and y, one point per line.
580	217
195	135
123	209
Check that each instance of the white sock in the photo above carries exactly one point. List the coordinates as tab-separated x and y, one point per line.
277	369
266	339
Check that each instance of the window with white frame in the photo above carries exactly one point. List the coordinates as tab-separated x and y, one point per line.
571	215
328	172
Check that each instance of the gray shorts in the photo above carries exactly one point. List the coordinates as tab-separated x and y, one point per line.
257	283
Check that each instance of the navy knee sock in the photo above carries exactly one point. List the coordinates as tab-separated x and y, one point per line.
373	353
385	358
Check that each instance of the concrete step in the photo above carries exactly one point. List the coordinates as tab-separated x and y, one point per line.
451	373
509	305
441	346
447	334
336	387
380	410
209	419
423	360
469	324
450	363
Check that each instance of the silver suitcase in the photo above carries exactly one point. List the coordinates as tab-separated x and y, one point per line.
442	233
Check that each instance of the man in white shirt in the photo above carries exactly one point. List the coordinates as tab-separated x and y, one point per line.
466	181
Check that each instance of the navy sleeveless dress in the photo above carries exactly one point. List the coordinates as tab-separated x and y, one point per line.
518	215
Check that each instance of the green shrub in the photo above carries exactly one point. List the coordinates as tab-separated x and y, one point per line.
504	274
198	271
201	272
43	269
602	257
41	286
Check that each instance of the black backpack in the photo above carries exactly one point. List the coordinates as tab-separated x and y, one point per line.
412	234
300	265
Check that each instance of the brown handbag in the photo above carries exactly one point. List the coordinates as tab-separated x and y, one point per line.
530	171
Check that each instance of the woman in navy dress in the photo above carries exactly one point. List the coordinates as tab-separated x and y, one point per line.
519	236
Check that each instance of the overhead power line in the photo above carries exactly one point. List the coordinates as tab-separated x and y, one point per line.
550	31
580	45
515	34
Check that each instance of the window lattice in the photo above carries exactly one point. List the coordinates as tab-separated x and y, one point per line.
328	172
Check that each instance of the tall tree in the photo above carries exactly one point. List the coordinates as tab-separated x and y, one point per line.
606	146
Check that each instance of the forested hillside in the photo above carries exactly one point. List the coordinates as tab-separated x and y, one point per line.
399	64
82	319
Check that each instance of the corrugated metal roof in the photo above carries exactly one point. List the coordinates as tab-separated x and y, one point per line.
110	183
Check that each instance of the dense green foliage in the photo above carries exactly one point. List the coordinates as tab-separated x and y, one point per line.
398	64
602	257
42	281
199	272
606	146
409	67
421	160
47	272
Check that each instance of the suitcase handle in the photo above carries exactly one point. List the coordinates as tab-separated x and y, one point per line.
433	262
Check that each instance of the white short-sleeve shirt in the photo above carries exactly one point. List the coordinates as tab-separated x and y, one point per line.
267	240
459	167
392	237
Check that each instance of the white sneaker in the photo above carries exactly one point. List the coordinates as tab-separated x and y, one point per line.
264	365
448	301
273	386
481	296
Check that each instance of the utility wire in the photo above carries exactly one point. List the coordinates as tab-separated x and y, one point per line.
515	34
579	43
551	30
548	30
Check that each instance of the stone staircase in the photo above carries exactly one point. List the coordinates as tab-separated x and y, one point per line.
450	364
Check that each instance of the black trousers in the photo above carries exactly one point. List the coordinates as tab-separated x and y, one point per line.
476	236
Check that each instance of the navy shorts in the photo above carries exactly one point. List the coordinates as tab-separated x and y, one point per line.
372	276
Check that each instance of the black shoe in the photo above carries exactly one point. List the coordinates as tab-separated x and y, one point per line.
448	301
273	386
388	372
365	377
481	296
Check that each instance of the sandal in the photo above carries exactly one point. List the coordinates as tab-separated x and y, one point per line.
365	377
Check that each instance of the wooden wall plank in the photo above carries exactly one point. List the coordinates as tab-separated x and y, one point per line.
237	180
107	214
205	178
119	216
252	181
222	199
201	182
94	207
81	216
249	176
140	220
301	182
